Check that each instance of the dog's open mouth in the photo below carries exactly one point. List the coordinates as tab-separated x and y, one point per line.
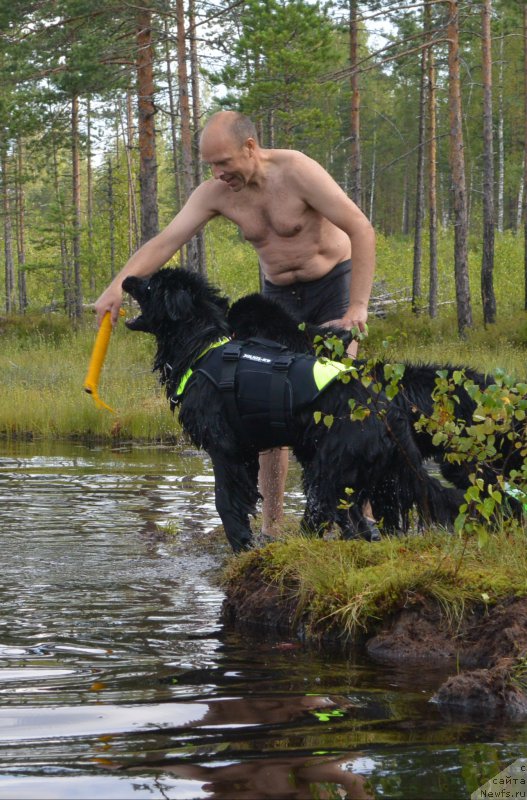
136	323
132	286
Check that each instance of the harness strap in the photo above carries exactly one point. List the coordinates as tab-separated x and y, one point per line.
227	383
278	401
175	399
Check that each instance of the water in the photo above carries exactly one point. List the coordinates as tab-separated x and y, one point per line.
117	679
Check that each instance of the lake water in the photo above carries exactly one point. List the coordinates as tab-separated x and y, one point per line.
118	679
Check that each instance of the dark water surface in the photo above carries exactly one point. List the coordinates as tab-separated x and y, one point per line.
117	679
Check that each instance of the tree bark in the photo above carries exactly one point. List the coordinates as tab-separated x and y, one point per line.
146	128
76	207
111	217
525	149
186	133
64	256
173	121
432	174
487	267
501	145
21	229
128	138
196	119
355	144
457	161
8	237
89	199
420	187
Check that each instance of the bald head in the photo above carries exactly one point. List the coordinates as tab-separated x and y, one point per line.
229	146
231	124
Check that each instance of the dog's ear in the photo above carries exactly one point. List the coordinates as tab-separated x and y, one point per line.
179	305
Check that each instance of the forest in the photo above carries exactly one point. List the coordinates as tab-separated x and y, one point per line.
417	109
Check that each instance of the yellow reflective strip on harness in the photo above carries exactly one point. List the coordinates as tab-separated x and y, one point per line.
186	377
325	371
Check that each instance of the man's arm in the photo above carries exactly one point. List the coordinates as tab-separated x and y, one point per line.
198	210
318	189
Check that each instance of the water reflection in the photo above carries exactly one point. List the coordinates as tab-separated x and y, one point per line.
118	680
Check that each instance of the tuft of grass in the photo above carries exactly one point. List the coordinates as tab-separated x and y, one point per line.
343	587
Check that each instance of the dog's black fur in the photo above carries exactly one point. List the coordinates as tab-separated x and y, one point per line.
257	315
186	314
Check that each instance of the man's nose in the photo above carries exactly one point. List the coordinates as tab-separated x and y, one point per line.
217	172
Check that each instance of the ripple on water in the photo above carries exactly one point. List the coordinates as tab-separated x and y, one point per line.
118	681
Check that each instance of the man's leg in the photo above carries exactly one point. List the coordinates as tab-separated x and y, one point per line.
272	478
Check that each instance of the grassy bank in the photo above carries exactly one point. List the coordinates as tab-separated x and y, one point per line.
43	364
343	588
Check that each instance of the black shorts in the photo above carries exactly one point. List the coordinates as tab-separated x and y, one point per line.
316	301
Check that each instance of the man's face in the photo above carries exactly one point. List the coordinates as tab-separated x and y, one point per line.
228	162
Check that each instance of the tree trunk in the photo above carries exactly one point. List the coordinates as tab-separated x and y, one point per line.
64	256
523	181
76	204
186	134
147	133
525	148
21	229
405	217
173	121
196	119
487	267
432	174
111	217
420	188
373	176
355	149
8	237
89	199
457	161
128	137
501	144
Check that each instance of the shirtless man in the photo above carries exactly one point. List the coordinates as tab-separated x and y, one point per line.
303	227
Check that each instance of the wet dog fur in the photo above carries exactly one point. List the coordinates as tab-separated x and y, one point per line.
186	314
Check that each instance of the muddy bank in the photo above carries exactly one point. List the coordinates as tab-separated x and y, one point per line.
487	648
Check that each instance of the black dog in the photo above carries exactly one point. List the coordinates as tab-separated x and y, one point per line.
210	378
256	315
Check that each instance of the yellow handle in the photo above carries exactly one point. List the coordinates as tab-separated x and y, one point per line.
91	383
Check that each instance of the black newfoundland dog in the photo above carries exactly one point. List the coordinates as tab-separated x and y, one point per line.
256	315
237	398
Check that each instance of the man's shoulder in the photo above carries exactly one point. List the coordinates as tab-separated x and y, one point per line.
288	157
294	163
211	192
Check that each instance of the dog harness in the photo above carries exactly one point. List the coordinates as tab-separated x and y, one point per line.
263	384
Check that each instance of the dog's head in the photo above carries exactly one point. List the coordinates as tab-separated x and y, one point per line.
174	297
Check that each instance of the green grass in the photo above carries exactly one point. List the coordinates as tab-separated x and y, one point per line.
43	364
349	586
43	361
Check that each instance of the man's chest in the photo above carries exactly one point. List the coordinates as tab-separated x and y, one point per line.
269	215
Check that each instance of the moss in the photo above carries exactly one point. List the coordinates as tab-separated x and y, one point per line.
351	585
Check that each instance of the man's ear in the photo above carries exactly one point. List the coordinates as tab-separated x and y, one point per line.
179	305
250	144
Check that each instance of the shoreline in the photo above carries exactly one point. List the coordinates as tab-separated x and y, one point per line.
485	645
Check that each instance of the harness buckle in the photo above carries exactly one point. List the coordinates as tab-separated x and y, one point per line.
232	352
282	363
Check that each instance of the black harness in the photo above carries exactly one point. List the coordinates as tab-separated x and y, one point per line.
263	385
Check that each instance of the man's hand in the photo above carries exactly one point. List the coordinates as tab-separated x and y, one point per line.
110	300
355	317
